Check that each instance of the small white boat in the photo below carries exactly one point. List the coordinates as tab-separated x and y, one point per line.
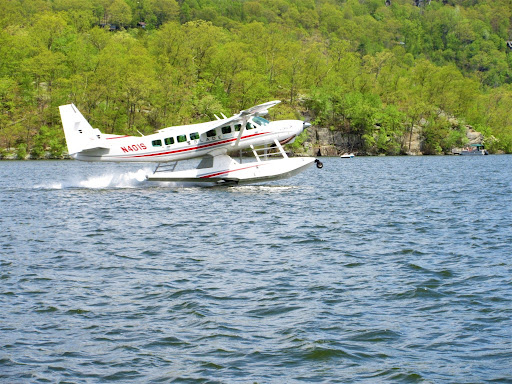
347	156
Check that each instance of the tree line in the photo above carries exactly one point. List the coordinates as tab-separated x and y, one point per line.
366	67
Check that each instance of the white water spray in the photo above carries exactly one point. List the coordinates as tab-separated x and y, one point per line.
110	180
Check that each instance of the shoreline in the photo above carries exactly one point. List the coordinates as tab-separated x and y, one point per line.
67	158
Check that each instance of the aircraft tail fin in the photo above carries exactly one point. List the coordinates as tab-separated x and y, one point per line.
80	135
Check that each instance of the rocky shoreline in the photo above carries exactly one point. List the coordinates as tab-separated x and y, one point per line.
323	141
320	141
11	154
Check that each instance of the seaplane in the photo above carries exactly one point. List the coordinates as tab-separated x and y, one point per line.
213	142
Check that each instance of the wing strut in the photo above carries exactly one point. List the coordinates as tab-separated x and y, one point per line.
255	153
245	119
280	147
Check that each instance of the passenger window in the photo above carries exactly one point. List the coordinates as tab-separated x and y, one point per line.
157	143
182	138
238	127
194	136
226	130
211	133
169	140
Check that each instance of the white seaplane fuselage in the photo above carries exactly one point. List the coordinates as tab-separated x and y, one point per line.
183	142
210	141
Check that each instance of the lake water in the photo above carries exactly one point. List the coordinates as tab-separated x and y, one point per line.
394	269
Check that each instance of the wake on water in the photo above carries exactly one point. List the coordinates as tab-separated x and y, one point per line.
137	179
111	180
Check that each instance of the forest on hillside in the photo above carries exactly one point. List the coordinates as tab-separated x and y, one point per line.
372	68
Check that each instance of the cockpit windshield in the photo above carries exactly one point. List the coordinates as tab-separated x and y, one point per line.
260	120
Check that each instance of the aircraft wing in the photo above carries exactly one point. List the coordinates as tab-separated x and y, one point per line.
261	109
242	117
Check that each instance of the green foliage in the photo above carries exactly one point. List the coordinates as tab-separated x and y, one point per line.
360	67
299	140
56	148
48	139
441	136
21	151
391	130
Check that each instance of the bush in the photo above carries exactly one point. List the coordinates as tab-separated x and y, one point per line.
21	151
56	149
37	152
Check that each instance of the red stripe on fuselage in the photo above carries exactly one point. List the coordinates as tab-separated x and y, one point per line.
118	137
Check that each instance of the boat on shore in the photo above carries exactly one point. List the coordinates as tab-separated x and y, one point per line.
472	150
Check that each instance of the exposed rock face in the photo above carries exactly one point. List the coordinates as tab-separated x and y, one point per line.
473	136
326	142
413	142
327	150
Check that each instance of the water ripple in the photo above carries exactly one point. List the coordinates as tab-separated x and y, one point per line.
373	270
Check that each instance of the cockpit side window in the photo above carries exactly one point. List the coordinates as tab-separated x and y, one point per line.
249	126
260	120
238	127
